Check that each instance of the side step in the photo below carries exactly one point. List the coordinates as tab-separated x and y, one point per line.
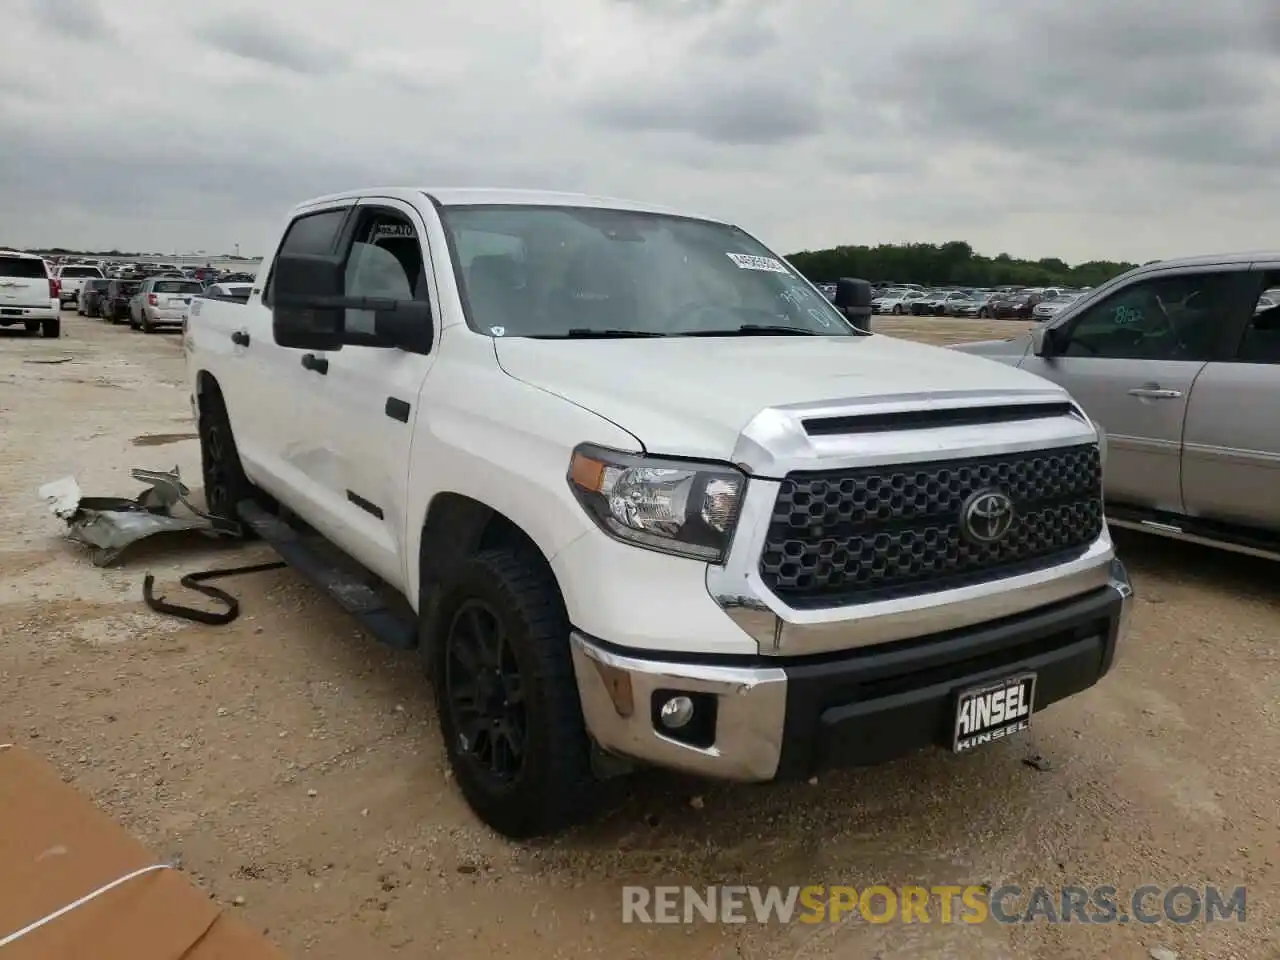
355	596
1193	530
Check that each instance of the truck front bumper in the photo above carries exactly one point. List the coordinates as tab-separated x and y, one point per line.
764	718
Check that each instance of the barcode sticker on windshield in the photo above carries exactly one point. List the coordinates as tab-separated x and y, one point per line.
747	262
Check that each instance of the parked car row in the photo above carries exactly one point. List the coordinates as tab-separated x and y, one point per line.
1009	303
145	305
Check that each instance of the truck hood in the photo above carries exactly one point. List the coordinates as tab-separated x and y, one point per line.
692	396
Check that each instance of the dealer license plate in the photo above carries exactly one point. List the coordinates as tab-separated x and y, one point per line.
994	711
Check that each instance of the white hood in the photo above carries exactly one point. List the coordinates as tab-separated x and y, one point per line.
692	396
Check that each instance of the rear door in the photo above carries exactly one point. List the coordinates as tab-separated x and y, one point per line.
269	395
24	282
1231	445
1131	359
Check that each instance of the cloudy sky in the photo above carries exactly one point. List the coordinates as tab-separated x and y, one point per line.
1083	129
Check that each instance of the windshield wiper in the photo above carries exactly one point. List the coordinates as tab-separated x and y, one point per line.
585	333
756	330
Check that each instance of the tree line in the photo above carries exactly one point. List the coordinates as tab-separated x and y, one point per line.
948	263
136	254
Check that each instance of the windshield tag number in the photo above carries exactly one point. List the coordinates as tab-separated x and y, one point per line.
768	264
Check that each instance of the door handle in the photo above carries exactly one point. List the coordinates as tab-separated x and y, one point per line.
1153	391
240	338
311	362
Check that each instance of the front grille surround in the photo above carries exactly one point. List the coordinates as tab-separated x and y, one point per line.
884	532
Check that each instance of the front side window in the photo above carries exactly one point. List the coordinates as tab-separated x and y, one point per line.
1176	317
544	271
385	262
1261	340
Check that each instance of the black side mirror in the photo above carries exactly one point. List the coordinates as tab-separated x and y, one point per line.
853	299
852	293
309	309
307	312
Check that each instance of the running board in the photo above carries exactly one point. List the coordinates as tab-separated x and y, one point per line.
1187	532
348	590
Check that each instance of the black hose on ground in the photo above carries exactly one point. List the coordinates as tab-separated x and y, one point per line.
196	582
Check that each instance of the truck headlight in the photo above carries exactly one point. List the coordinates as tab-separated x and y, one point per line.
672	506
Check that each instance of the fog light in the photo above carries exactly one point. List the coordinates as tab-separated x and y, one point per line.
676	712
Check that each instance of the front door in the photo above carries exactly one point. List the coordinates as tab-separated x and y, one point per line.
368	396
1131	360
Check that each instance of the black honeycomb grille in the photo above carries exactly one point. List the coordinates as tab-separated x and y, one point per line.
876	533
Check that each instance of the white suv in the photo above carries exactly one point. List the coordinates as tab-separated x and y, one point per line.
28	294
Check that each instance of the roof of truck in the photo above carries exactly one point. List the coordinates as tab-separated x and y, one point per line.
1213	259
474	196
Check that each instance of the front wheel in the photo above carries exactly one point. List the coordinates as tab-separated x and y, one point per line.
897	309
507	698
984	314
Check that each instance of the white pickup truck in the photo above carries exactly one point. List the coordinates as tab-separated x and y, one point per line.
640	494
71	278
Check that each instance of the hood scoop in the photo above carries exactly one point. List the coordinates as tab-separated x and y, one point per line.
898	420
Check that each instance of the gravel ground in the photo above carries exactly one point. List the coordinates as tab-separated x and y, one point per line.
294	765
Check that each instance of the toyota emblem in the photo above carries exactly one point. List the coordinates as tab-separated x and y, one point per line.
987	516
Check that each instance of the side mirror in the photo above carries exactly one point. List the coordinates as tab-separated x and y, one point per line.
853	299
852	293
309	310
1044	341
306	308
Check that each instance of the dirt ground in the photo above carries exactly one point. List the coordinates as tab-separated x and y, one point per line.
294	765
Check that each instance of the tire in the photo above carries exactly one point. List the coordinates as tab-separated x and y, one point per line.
511	595
225	484
147	326
31	326
51	329
133	324
984	314
897	309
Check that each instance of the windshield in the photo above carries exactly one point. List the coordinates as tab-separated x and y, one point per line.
544	271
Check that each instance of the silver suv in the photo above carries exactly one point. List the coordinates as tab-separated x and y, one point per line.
1179	362
161	301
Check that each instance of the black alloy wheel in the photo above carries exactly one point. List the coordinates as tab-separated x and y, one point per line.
485	694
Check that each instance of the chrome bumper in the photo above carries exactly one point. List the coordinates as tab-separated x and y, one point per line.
618	690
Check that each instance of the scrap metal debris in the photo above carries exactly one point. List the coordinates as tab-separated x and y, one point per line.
111	524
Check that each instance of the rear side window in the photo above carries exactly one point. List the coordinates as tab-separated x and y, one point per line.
72	273
314	233
177	286
29	268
